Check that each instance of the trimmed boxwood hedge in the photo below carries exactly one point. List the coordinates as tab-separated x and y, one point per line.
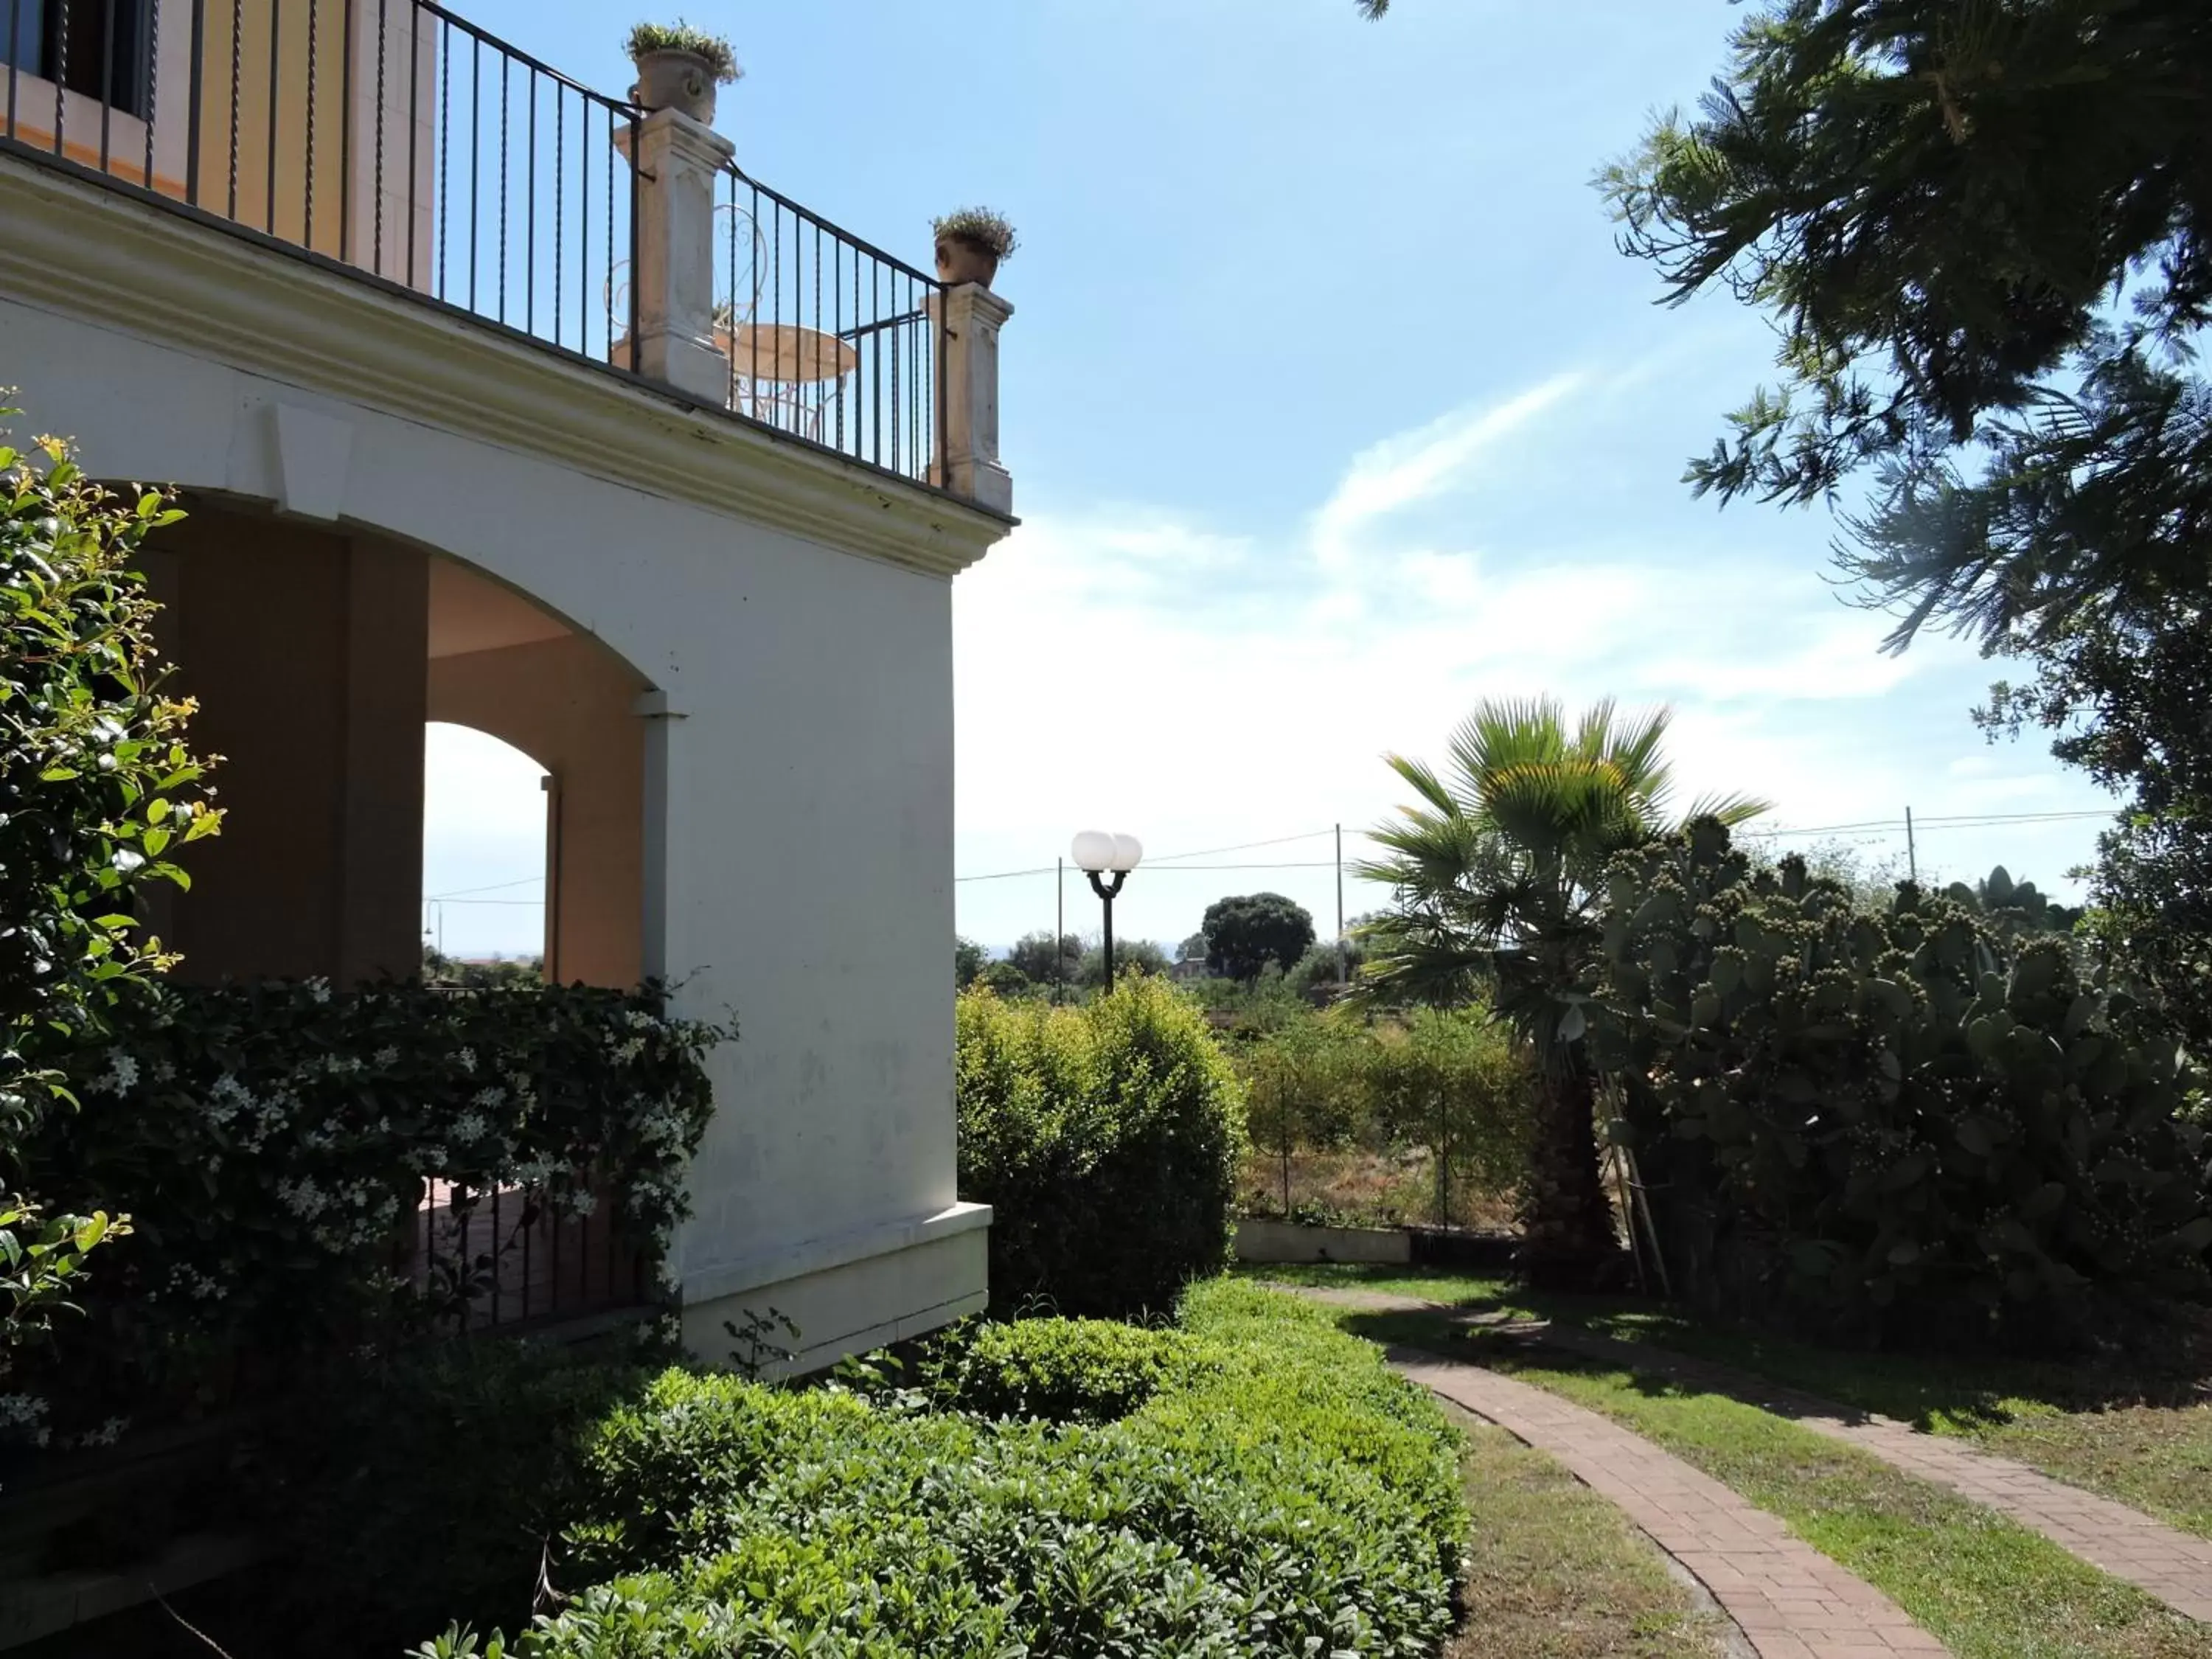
1106	1139
1271	1489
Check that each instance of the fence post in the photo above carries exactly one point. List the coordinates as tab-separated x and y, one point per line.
971	318
679	162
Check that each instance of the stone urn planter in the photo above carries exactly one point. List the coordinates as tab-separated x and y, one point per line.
962	261
679	67
681	81
971	244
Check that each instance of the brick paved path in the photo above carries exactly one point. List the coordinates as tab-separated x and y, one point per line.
2172	1566
1789	1600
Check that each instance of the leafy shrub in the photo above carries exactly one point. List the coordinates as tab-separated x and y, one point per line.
1071	1371
1874	1118
270	1139
1455	1082
1106	1139
97	789
1289	1496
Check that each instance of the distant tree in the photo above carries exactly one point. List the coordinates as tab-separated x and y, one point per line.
1131	955
518	973
1034	955
1192	949
1004	978
1319	965
1244	934
969	959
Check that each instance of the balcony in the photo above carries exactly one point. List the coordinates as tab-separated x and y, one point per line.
400	144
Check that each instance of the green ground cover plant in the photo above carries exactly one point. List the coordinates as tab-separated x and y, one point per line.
1274	1488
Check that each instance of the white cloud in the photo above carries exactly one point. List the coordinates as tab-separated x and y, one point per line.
1416	466
1199	685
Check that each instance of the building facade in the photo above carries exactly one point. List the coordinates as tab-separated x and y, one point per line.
495	400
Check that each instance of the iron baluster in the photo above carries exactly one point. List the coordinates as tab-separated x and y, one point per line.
346	249
61	75
561	203
505	64
444	37
153	59
315	20
107	77
413	131
376	207
276	41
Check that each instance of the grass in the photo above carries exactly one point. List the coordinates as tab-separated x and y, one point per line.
2143	1436
1555	1573
1985	1587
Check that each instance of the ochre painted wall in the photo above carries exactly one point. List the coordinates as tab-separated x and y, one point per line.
569	705
305	650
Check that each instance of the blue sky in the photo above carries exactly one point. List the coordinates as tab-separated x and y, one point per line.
1331	409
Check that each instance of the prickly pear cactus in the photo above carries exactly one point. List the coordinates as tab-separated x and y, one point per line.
1862	1120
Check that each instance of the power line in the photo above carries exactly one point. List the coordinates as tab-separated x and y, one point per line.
1893	826
488	887
1241	846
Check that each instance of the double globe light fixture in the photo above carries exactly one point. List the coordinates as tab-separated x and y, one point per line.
1099	853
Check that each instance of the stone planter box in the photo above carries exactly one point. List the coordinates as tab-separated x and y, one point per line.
1287	1241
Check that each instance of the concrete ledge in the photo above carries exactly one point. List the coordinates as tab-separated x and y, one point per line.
713	1282
34	1607
881	1297
1289	1241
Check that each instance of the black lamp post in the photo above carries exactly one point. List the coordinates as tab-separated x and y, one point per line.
1099	854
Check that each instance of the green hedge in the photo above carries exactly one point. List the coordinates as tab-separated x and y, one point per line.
1277	1491
1106	1137
1072	1370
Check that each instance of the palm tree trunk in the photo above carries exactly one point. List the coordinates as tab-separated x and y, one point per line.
1566	1221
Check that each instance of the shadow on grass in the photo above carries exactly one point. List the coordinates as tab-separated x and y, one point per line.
1960	1391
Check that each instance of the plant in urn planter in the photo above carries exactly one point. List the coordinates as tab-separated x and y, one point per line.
970	243
678	68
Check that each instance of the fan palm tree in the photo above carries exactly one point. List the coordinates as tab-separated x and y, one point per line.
1499	868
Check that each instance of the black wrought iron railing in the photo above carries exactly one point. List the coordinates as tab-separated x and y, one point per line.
828	338
398	140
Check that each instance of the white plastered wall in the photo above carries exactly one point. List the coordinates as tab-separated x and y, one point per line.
799	758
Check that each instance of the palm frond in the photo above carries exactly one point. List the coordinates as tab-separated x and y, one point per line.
1730	810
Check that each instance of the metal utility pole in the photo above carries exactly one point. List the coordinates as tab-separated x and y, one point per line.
1059	926
1911	852
1343	961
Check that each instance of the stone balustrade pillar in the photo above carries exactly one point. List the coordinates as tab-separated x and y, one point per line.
972	315
679	162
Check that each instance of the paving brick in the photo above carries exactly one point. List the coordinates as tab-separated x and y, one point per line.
1788	1600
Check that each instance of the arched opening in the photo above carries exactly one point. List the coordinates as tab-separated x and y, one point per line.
504	666
321	658
486	844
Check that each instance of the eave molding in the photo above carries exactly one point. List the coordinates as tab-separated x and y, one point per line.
86	250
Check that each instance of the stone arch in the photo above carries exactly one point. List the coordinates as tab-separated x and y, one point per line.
319	652
498	662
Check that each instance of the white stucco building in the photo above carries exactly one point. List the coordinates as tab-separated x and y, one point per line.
371	303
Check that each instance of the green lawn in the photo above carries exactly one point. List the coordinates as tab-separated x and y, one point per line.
1987	1588
2143	1437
